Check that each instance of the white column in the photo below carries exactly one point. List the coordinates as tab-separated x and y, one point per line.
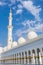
33	59
24	59
36	57
28	58
21	57
40	58
14	59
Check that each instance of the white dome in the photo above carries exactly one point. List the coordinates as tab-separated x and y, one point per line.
32	35
1	49
21	40
5	48
14	44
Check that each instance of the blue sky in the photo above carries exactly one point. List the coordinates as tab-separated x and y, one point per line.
27	15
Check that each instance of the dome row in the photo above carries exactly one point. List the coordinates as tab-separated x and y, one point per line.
21	40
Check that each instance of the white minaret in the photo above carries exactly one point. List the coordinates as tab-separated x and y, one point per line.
10	27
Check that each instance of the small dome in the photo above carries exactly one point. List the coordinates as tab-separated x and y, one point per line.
9	47
1	49
21	40
32	35
14	44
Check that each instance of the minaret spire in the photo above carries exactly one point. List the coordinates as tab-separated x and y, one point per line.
10	17
10	29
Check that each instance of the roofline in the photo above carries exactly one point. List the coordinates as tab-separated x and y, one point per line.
27	42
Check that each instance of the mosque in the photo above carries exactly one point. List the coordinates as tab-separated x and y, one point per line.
23	51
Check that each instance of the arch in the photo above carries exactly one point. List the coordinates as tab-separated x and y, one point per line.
42	54
38	50
17	54
33	51
42	49
17	58
26	56
34	56
20	57
29	55
23	57
29	52
13	58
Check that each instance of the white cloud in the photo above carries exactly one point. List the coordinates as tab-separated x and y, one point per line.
28	22
12	1
2	3
29	5
39	27
20	6
20	32
19	11
35	10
